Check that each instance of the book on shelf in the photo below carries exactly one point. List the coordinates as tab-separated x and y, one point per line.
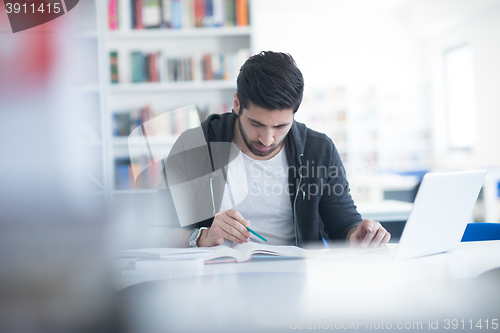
113	21
150	136
123	175
187	10
161	124
142	173
219	11
151	14
230	13
208	19
155	67
176	18
241	9
137	9
185	14
113	62
166	13
125	122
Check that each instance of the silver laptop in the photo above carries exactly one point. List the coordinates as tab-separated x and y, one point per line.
442	208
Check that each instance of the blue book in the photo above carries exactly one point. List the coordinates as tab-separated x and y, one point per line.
132	12
141	66
116	124
123	179
137	67
176	14
208	20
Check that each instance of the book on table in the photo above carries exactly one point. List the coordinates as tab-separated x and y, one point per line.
245	251
153	257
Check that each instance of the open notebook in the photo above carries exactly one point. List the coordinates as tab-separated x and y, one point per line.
239	252
245	251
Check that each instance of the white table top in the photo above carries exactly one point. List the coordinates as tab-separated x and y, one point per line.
281	294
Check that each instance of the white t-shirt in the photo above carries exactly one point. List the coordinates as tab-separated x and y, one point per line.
259	191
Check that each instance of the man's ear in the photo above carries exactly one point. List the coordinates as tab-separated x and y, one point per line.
236	103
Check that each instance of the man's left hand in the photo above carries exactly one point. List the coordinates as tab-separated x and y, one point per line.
368	233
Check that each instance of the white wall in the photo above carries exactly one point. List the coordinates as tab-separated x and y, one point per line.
393	44
338	42
454	23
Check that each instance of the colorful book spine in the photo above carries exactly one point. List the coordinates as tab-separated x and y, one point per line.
123	174
113	14
161	124
147	67
113	62
176	14
241	10
183	14
166	13
132	13
199	12
188	14
138	14
219	13
137	67
208	19
230	13
154	67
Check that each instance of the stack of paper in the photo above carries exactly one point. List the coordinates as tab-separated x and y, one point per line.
164	262
165	253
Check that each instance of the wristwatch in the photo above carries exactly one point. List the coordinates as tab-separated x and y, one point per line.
194	236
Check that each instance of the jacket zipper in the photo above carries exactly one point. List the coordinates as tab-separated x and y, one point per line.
295	201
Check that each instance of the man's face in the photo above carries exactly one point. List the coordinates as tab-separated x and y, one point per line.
262	130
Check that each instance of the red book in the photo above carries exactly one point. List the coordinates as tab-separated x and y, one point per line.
207	59
199	12
154	67
138	15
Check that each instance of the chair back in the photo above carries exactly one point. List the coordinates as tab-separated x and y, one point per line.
481	232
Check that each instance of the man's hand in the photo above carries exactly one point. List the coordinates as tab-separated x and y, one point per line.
368	232
228	224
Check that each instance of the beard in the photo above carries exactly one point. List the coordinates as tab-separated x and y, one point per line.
252	146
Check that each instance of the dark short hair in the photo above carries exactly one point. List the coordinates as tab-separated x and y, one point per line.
270	80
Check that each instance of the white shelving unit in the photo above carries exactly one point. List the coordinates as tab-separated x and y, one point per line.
140	88
90	94
128	34
164	96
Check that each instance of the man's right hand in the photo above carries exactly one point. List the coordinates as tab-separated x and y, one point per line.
228	224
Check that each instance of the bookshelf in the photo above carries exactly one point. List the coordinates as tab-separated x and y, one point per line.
164	56
89	97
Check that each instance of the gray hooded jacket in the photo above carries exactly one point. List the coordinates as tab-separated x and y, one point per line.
319	192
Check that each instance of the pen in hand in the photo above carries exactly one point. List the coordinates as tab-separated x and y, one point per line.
256	234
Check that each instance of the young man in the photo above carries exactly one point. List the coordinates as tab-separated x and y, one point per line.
271	172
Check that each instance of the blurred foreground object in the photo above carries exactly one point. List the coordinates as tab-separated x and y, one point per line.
53	273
